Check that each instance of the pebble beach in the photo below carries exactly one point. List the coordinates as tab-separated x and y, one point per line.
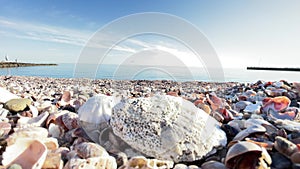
148	124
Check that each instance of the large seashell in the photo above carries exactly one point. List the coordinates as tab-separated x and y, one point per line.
141	162
97	109
26	152
166	127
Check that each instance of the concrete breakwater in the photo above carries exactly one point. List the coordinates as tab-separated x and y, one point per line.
274	68
19	64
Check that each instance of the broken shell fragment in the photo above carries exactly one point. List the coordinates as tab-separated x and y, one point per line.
5	128
141	162
70	120
26	152
92	163
30	132
86	150
53	160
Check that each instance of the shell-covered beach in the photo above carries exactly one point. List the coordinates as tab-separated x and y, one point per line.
85	123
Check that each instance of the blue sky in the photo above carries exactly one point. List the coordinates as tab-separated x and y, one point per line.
250	32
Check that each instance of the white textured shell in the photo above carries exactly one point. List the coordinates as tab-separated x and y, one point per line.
166	127
97	109
6	95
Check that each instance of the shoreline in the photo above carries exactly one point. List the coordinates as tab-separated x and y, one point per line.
21	64
42	100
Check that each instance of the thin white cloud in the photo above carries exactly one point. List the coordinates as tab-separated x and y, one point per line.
39	32
25	30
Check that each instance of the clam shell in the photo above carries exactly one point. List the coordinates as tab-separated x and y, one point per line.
268	126
26	152
239	149
252	129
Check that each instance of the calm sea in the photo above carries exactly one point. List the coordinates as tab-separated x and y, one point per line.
67	70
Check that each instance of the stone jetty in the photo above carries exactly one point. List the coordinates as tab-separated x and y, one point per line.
19	64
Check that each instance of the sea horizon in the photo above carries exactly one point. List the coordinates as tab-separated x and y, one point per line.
141	72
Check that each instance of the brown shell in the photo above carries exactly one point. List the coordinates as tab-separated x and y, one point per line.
70	120
239	149
285	146
87	149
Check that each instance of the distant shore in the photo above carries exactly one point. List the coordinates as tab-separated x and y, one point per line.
274	68
20	64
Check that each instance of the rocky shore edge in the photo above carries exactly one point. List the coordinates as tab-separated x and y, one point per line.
20	64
